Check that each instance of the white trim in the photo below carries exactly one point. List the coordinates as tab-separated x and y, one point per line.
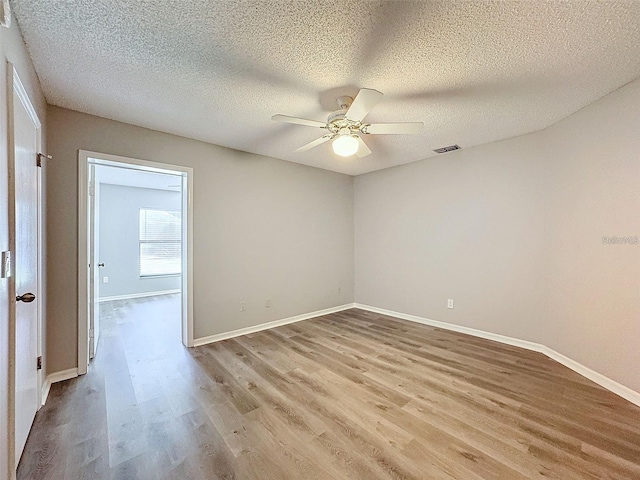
265	326
54	378
45	391
63	375
24	97
11	161
187	259
138	295
603	381
516	342
83	260
84	157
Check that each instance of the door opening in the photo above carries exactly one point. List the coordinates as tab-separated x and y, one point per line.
136	219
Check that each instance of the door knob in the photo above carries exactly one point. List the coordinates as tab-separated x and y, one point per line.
101	264
26	298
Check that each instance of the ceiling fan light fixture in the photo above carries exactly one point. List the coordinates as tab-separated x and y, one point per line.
345	145
344	126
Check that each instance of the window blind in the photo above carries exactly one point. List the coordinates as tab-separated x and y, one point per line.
160	242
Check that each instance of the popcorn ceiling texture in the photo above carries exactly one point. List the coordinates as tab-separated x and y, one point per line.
473	72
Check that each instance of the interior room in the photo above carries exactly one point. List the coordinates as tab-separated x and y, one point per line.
139	233
331	240
139	257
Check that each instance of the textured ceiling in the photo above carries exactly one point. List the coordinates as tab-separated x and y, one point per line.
473	72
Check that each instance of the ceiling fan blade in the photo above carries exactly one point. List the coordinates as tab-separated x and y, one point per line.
298	121
393	128
315	143
362	104
363	150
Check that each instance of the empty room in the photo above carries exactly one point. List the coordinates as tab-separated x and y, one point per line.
269	239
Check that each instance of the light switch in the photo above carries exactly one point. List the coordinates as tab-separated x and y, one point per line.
5	270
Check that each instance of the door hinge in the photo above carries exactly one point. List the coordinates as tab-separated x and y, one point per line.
39	158
40	363
92	189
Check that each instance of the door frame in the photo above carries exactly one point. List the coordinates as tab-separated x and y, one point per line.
94	226
84	158
14	84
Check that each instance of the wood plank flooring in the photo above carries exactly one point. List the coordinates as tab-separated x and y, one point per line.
352	395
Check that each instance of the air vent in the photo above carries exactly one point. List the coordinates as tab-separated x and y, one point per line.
450	148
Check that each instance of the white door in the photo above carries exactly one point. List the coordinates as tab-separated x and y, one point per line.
26	269
94	260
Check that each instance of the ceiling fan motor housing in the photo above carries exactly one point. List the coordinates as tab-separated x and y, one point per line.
336	121
336	116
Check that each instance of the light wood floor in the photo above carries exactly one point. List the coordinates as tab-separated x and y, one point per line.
349	395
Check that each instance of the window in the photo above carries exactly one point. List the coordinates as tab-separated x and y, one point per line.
160	242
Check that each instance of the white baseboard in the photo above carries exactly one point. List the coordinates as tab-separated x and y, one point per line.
264	326
46	386
138	295
516	342
54	378
606	382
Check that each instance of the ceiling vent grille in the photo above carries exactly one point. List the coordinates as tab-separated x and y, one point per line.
450	148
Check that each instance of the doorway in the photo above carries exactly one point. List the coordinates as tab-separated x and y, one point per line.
144	251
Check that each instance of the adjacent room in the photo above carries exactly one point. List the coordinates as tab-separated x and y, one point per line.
137	243
319	240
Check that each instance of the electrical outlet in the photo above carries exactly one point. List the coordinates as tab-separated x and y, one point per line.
105	279
267	304
243	306
450	303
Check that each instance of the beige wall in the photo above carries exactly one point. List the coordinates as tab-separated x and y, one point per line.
512	232
461	226
13	50
119	243
263	228
594	289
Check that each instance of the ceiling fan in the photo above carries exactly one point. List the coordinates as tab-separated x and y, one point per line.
345	126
